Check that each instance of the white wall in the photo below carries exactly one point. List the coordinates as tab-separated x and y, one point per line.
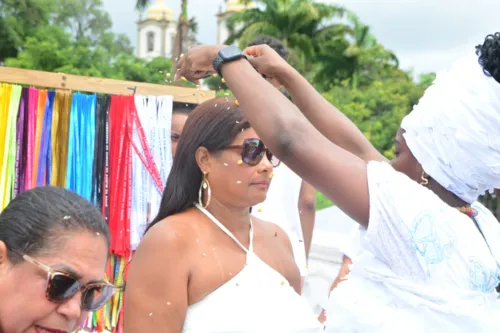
155	27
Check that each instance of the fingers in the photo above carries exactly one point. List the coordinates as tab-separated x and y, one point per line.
254	51
179	68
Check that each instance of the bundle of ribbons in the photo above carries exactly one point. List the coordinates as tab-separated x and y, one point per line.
115	151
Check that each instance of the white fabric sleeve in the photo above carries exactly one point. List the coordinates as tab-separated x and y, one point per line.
402	230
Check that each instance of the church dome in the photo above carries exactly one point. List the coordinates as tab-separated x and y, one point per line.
238	6
159	11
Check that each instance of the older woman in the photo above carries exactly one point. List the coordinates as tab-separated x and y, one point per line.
206	265
429	258
53	252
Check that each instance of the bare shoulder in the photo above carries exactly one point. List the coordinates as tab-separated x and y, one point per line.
273	233
174	233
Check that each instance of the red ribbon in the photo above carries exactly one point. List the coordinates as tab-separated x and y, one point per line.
147	160
120	173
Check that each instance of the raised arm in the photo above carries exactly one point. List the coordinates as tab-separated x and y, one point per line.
337	173
156	294
325	117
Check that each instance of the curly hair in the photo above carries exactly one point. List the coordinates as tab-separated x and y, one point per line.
272	42
489	55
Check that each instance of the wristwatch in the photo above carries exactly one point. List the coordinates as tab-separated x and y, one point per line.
226	55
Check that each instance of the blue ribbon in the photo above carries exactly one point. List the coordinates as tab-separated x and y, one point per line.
81	141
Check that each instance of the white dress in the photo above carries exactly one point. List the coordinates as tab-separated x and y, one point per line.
421	266
282	208
257	300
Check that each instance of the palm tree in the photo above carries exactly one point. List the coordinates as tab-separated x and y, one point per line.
299	24
364	44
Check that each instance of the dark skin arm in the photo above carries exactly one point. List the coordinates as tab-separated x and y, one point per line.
307	210
327	119
337	173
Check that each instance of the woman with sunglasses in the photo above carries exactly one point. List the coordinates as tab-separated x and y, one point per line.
429	256
206	265
53	253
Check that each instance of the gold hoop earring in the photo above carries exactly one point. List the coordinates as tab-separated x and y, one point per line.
205	185
424	180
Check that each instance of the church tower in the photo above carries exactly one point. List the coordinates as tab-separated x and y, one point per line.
232	6
156	32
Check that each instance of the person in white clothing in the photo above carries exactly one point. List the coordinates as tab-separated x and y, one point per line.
205	264
429	256
290	201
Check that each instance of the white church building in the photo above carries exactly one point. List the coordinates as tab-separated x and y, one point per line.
156	31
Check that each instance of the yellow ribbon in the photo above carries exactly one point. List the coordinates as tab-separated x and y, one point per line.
60	132
11	95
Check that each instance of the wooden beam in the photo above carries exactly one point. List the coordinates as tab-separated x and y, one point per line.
101	86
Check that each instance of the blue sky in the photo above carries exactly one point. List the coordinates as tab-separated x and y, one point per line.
425	34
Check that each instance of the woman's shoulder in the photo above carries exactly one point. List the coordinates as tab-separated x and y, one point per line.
272	233
173	231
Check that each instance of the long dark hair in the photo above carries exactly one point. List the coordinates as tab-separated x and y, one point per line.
213	124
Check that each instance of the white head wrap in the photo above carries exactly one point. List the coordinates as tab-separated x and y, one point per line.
454	131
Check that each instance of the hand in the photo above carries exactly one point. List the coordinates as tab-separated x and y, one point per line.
266	61
197	63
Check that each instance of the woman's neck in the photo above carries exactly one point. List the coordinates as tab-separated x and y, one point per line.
235	219
448	197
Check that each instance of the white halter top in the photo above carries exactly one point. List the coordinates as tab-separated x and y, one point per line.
256	300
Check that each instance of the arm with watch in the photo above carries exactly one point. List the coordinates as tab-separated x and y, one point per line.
327	119
337	173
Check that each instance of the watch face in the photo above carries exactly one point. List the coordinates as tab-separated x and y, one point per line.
230	53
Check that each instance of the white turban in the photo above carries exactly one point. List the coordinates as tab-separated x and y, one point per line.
454	131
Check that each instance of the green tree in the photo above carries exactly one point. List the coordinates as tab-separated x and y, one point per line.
299	24
20	19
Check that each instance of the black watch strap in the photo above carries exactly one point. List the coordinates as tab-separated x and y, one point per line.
226	55
218	61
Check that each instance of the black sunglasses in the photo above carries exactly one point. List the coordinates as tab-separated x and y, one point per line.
62	286
252	152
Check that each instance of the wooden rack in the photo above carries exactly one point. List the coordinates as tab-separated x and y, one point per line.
101	86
